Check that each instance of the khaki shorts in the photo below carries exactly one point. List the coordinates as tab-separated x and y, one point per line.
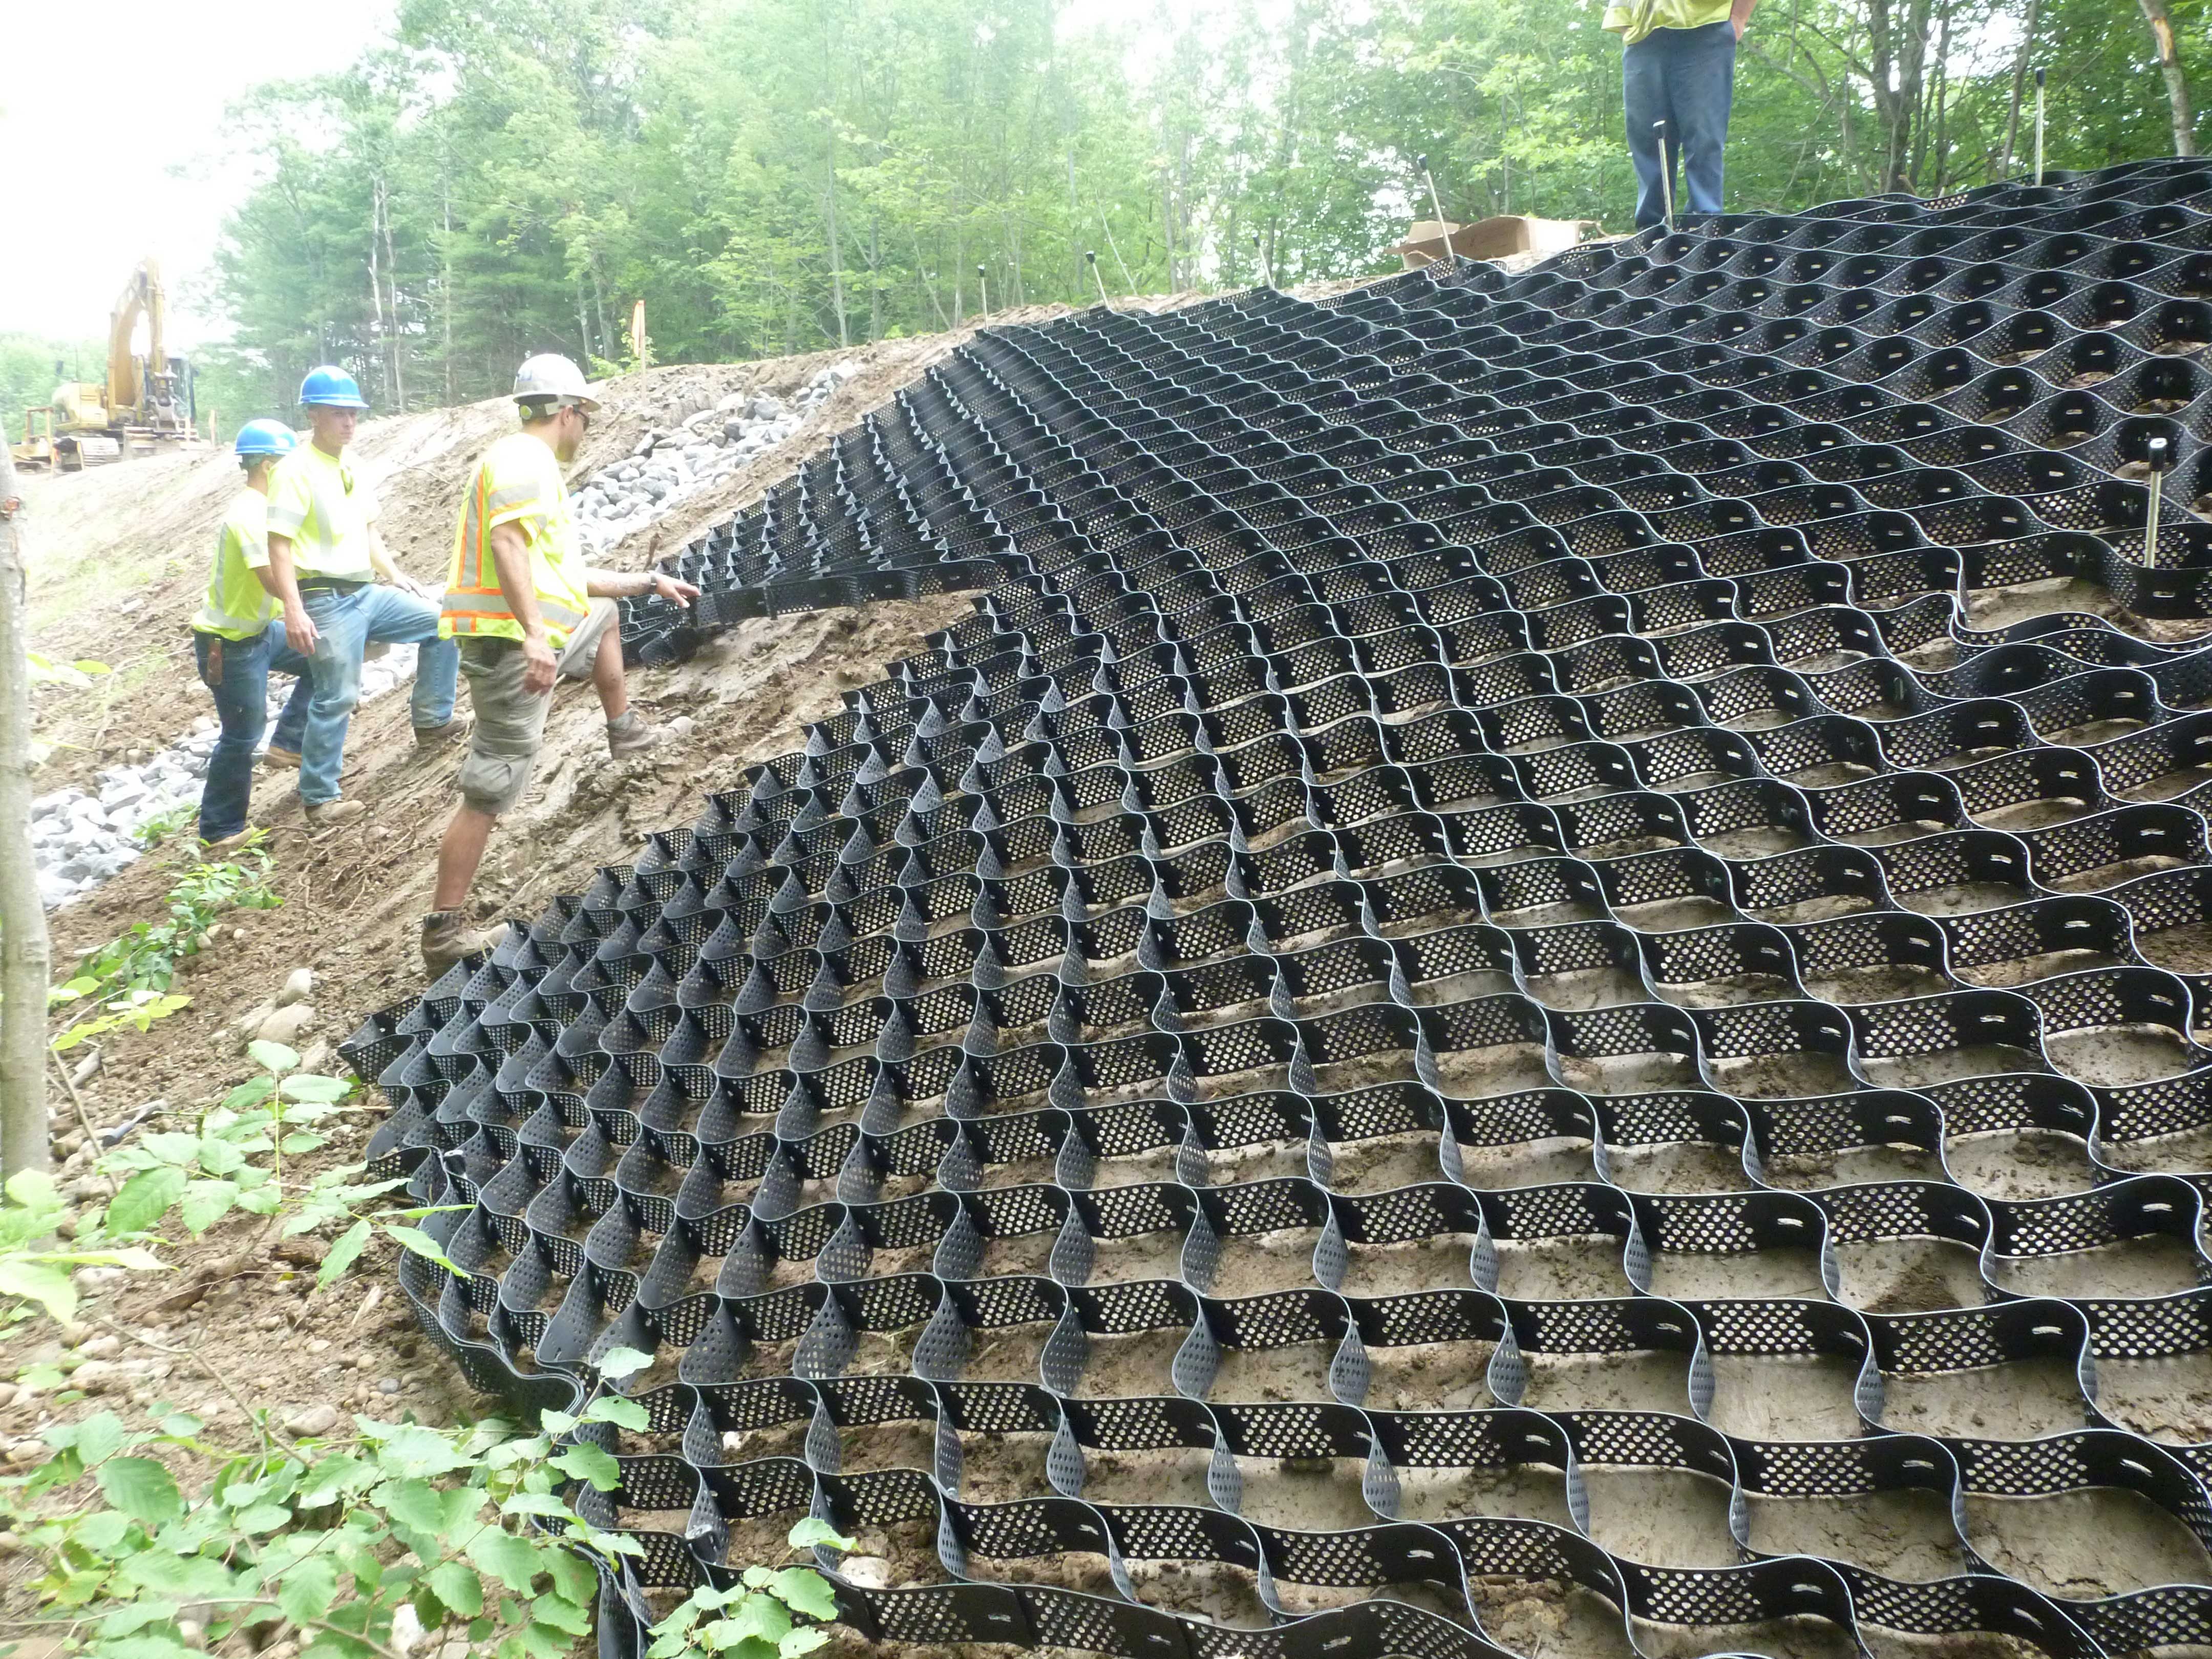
510	722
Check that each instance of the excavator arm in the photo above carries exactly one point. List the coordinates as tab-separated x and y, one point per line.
142	295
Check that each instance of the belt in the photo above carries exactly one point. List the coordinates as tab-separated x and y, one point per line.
330	585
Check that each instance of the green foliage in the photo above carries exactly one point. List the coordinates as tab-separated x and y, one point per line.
136	1009
325	1542
77	675
28	377
232	1159
792	174
34	1274
128	978
162	825
145	957
759	1617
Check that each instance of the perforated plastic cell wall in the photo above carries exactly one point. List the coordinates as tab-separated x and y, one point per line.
1531	904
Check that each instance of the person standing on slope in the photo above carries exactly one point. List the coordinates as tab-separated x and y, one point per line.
238	641
1678	65
526	612
328	566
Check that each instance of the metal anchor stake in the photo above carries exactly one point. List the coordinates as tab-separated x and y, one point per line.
2039	76
1436	206
1666	174
2157	457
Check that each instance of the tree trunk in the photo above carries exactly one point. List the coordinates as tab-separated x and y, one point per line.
445	265
2019	88
376	283
875	277
1074	213
392	284
25	960
928	279
2169	64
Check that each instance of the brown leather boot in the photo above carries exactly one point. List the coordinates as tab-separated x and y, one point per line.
448	938
628	734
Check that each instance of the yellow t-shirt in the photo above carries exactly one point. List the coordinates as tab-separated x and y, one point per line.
518	482
1638	18
326	504
237	606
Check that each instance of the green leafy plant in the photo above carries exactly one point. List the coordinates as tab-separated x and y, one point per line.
32	1269
233	1159
333	1543
145	956
760	1616
138	1009
162	825
78	675
325	1541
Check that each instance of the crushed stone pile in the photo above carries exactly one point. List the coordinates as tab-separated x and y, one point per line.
80	840
1544	950
673	464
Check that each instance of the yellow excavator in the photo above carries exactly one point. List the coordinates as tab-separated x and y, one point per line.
144	407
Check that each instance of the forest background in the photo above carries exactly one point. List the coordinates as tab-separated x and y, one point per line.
500	177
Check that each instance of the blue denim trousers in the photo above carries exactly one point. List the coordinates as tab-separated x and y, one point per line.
237	672
345	626
1686	78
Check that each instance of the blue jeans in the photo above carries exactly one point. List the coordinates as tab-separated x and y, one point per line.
237	672
345	625
1686	78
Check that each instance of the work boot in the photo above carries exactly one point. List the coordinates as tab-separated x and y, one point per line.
274	758
215	849
448	938
628	735
442	737
329	814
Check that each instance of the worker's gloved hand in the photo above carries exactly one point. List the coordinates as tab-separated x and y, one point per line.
538	666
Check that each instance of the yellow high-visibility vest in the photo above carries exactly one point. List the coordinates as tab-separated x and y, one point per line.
518	482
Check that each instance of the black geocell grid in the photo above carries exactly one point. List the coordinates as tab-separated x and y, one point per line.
1472	711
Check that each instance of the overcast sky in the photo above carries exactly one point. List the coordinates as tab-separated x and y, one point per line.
92	185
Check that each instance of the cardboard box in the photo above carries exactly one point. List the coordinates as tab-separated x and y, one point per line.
1490	238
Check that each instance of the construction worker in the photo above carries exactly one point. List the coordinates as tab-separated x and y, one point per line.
328	565
526	612
1677	82
238	640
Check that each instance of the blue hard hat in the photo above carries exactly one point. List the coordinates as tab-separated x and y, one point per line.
264	438
333	387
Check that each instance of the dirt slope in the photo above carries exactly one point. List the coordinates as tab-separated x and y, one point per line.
118	560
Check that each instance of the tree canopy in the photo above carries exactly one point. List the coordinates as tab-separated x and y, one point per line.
771	176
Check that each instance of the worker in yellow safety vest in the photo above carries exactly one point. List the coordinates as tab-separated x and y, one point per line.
238	640
526	612
342	593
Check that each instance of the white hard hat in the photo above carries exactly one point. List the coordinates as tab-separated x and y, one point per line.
549	376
